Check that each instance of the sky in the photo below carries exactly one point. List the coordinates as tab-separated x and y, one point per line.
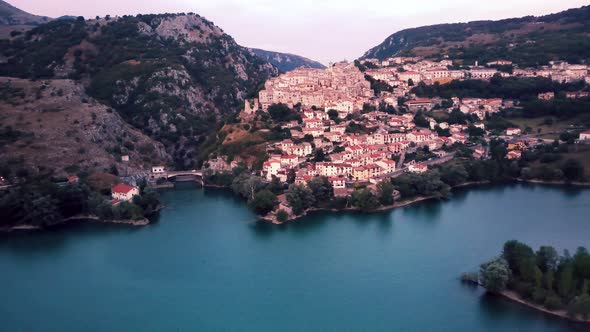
322	30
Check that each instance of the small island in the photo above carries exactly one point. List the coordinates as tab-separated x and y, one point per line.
544	280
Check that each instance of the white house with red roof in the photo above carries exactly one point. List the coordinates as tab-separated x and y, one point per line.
418	168
514	154
123	192
513	131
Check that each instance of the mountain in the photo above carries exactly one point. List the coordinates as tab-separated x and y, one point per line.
286	62
527	41
53	125
10	15
174	78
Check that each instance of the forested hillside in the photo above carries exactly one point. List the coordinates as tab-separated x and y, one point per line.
527	41
174	77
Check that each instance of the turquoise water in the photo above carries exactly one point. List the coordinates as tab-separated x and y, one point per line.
207	265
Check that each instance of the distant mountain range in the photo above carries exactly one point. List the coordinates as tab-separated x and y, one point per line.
10	15
527	41
286	62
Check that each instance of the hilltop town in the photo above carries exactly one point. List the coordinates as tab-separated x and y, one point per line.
359	124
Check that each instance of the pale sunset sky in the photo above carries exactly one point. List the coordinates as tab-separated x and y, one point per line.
323	30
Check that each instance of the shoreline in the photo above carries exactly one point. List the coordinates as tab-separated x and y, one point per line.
512	296
395	205
73	220
414	200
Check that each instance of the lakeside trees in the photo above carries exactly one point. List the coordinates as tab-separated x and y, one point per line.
542	277
44	203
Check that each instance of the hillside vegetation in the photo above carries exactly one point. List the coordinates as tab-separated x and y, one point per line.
286	62
174	77
527	41
10	15
52	127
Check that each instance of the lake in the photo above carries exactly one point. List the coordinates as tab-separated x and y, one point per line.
206	264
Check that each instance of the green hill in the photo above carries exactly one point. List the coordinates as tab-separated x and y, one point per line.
527	41
10	15
174	77
286	62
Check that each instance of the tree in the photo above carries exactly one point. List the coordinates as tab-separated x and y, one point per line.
573	170
582	264
565	278
547	258
454	174
521	259
385	192
282	216
149	201
247	185
319	155
333	114
291	176
300	198
279	112
264	201
321	188
365	200
495	275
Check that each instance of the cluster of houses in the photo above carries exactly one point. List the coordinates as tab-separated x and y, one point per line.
341	87
399	71
353	157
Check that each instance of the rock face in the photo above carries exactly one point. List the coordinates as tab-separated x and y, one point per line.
10	15
54	125
174	77
286	62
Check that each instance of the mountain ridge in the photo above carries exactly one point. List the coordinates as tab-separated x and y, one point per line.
10	15
526	40
286	61
175	77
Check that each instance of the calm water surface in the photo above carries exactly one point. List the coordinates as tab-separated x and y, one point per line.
207	265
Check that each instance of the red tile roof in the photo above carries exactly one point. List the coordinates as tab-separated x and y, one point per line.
121	188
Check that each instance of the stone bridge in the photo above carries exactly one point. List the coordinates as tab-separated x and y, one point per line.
179	176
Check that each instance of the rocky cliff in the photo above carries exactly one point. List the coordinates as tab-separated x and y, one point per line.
172	77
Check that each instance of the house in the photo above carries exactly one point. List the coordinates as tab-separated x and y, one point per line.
421	103
125	158
513	131
479	153
546	96
271	167
158	169
387	166
123	192
73	179
410	75
585	135
338	182
515	154
418	168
